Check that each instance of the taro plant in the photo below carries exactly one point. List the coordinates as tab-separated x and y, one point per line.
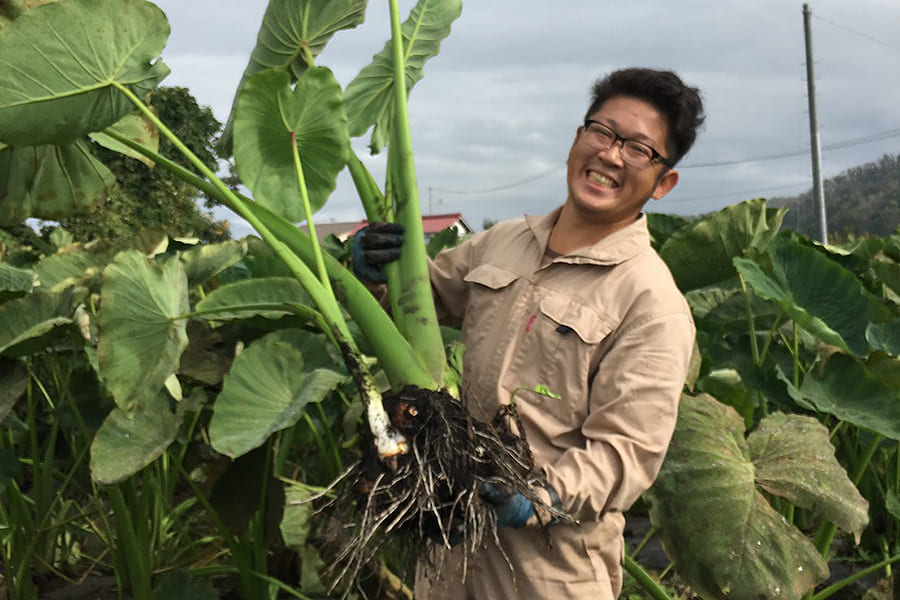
302	326
78	68
797	388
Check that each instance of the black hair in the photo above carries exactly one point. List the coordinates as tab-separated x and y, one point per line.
679	103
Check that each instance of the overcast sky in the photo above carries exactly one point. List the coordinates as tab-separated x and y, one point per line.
495	115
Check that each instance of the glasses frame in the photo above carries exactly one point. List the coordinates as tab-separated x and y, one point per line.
655	155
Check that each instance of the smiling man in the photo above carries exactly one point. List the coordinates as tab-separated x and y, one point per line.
579	302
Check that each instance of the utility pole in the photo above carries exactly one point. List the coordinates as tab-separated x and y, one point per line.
818	186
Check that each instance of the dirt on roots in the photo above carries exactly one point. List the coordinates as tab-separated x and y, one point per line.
431	492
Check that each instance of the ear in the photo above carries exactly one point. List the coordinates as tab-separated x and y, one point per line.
665	184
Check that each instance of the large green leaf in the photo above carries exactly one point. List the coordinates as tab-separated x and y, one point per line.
817	293
848	391
11	10
288	28
135	127
15	280
725	539
701	254
298	513
268	389
264	297
141	337
72	267
888	273
885	337
126	443
269	114
794	459
663	226
32	316
208	260
59	64
369	97
13	383
49	182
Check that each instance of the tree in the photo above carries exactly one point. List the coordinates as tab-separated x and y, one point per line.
151	198
863	200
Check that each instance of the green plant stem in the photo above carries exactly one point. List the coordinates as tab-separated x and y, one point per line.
415	314
754	349
307	211
647	537
771	336
372	199
796	356
397	357
388	441
131	553
329	437
645	580
244	563
836	587
825	534
395	354
327	304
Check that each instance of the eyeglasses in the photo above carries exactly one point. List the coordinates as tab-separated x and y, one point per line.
634	153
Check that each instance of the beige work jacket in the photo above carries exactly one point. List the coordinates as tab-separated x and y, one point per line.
605	328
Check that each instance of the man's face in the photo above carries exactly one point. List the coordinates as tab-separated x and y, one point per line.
605	191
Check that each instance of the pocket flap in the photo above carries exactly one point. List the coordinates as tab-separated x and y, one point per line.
491	276
570	314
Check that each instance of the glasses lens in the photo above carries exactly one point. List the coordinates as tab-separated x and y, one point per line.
637	153
598	136
601	137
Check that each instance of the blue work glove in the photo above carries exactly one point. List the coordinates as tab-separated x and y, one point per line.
372	247
512	508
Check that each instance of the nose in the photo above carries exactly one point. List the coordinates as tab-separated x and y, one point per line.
614	153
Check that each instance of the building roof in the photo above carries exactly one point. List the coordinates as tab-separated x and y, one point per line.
431	224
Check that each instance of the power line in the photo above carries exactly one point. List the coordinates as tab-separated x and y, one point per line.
859	33
834	146
501	187
747	193
828	147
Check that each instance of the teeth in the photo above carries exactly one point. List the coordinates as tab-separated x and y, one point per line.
601	179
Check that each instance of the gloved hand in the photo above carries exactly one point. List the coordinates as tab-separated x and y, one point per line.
372	247
513	509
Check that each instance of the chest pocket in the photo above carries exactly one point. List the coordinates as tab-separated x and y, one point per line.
563	347
487	287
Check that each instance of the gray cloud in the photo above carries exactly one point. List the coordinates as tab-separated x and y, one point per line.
499	105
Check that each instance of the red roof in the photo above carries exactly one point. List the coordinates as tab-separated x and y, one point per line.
430	223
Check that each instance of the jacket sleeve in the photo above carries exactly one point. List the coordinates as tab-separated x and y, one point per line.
447	272
633	406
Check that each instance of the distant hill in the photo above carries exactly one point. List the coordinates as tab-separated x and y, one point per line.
861	200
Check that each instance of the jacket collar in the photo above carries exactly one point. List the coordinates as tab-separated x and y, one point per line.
615	248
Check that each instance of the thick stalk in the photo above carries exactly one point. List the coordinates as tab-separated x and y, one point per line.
645	580
298	268
415	314
754	349
396	356
826	532
377	209
398	359
388	441
307	211
837	586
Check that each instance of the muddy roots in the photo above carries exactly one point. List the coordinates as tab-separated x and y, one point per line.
432	491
